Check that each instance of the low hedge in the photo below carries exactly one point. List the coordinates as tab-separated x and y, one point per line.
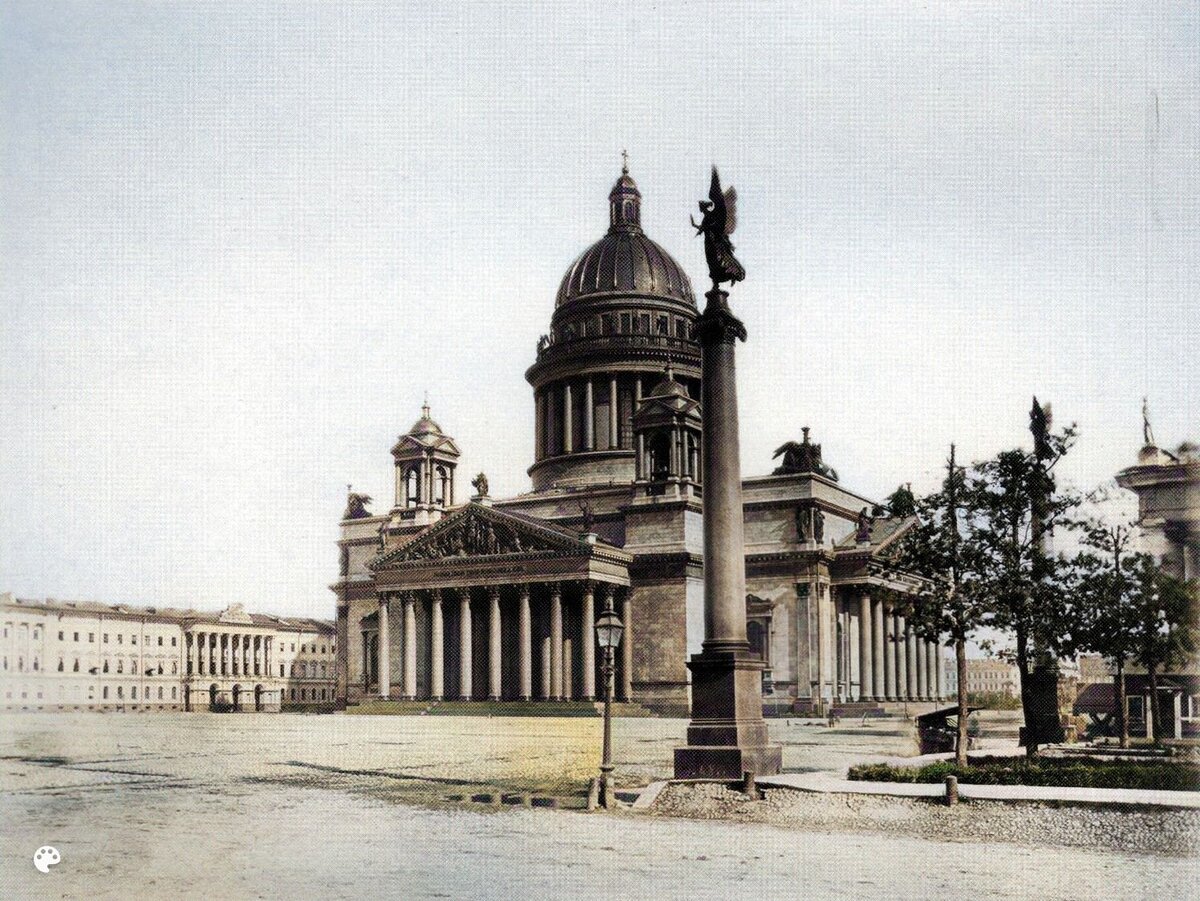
1080	772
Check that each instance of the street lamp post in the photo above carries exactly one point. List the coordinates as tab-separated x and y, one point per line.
608	635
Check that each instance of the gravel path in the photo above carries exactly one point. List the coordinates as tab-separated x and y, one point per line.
1170	832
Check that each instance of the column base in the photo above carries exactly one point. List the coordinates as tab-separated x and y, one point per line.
493	698
727	735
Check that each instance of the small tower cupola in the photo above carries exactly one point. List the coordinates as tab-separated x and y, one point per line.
666	427
625	201
426	458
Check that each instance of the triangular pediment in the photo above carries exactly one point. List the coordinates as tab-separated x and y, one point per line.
477	531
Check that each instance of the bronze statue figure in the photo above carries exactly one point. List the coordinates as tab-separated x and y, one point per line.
862	532
356	506
717	224
480	484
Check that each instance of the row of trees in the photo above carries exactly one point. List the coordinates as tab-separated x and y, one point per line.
981	552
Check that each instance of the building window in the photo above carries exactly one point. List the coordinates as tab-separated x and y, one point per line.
135	692
120	638
160	641
133	639
174	668
106	638
104	692
75	668
120	665
77	636
35	664
20	664
172	642
106	665
281	673
36	634
120	692
172	693
60	664
91	638
60	635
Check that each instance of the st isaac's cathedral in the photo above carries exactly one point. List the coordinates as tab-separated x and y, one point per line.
495	598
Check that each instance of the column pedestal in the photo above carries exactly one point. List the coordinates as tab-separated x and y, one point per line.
727	735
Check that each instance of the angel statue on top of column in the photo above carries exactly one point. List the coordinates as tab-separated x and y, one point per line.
717	224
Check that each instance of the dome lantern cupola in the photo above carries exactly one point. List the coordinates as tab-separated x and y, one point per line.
625	203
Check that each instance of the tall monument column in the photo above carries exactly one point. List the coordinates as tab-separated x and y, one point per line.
727	736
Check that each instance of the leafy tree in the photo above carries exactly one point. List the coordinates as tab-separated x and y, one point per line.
1104	602
1012	505
943	603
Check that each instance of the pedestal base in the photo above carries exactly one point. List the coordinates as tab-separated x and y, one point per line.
727	736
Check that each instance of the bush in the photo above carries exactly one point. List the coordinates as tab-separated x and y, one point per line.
1083	772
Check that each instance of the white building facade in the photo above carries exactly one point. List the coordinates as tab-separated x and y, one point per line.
62	655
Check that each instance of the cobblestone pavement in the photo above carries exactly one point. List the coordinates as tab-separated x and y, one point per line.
282	806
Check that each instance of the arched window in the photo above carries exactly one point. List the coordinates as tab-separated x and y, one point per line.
75	667
106	664
443	482
412	486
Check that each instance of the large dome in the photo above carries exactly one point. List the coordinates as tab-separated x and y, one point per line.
625	262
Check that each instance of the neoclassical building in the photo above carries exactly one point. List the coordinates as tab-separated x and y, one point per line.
80	655
494	598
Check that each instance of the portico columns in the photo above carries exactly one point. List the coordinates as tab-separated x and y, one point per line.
410	646
587	642
464	644
934	689
902	662
878	680
922	670
437	657
913	691
889	637
525	640
384	664
494	668
866	664
626	687
556	642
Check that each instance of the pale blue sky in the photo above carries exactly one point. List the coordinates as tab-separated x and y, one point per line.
240	241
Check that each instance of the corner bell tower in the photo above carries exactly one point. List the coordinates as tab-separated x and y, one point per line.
425	459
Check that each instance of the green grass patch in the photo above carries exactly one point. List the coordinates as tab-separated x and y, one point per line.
1078	772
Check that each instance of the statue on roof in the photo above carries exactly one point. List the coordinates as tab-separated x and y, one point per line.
717	224
1147	432
802	456
356	505
480	484
862	532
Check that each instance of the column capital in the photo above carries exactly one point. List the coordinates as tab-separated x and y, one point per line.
717	324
